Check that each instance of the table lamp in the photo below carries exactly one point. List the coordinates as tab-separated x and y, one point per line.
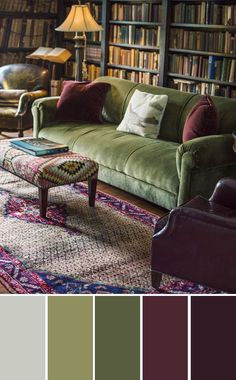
80	20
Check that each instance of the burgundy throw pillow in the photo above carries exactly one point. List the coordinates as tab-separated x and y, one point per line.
202	120
81	101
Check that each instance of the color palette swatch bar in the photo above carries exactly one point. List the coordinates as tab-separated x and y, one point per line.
70	338
22	337
213	337
117	338
165	328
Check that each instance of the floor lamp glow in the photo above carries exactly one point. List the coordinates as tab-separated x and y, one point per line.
80	21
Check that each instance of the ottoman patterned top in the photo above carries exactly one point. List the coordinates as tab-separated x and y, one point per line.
49	170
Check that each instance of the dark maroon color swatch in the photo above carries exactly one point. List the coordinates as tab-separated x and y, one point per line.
165	326
213	339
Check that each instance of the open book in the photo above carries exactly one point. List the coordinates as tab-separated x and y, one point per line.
57	55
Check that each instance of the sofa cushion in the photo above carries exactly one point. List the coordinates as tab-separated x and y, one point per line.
145	159
144	114
202	120
116	98
81	102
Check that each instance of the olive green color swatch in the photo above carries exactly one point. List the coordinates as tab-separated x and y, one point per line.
70	338
117	338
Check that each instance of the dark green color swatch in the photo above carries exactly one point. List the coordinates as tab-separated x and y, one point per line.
117	340
70	338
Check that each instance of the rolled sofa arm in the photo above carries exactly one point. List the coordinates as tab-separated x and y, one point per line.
27	98
43	111
206	151
202	162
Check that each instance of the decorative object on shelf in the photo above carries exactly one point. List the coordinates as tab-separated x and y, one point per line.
80	20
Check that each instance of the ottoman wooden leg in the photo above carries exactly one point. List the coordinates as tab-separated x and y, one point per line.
43	202
156	279
92	187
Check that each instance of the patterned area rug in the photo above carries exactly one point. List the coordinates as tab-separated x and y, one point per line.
77	249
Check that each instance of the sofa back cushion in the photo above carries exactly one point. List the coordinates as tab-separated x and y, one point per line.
113	109
178	107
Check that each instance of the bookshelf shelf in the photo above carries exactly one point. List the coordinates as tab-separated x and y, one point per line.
140	47
205	80
204	26
123	67
201	52
138	23
26	15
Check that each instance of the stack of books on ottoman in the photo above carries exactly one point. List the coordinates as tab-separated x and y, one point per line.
38	146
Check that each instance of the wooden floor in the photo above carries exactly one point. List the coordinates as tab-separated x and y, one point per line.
112	191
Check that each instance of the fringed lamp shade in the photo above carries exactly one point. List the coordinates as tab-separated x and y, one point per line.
79	19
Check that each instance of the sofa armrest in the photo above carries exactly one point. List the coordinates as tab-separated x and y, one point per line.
27	98
43	111
207	151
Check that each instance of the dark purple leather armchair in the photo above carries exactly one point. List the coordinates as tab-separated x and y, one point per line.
197	241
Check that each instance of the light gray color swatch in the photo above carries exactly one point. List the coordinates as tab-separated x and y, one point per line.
22	337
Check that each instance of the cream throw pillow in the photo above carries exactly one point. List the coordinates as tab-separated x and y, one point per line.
144	114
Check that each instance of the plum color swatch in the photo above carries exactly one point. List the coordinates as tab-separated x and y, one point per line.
22	336
213	326
70	337
117	338
165	328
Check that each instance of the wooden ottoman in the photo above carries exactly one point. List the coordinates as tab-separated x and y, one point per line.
50	171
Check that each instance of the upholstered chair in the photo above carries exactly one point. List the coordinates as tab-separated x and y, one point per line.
197	241
20	84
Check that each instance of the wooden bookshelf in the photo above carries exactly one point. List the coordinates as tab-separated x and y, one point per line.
134	29
202	47
24	26
185	44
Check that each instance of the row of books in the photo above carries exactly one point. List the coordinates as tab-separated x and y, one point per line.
218	42
134	58
3	28
29	33
212	67
146	12
36	6
134	76
93	70
131	34
93	53
9	58
96	10
91	36
203	88
206	12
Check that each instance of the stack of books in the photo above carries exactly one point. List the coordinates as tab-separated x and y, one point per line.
38	146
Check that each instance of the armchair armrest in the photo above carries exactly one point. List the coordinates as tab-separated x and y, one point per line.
198	222
207	151
43	111
225	193
27	98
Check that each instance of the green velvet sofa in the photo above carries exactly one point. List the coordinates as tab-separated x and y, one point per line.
164	171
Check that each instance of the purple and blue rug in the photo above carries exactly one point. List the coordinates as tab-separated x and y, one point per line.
77	249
